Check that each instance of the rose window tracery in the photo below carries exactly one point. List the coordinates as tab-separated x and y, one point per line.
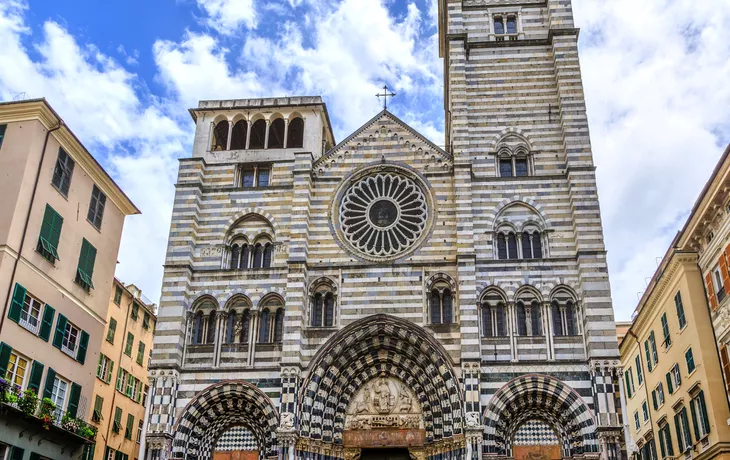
384	214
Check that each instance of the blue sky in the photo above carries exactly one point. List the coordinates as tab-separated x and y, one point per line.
122	74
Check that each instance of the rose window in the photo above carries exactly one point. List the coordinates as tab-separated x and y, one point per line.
384	214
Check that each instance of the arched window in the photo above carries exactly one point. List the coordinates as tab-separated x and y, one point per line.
264	326
258	256
268	253
329	310
220	136
536	245
511	25
279	326
521	167
258	135
210	336
276	134
498	26
317	309
235	257
441	304
245	326
570	318
295	135
198	328
238	135
231	327
521	319
505	167
493	320
526	245
557	318
502	246
512	246
536	319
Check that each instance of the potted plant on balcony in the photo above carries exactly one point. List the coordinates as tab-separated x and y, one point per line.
4	390
28	402
69	423
85	430
46	412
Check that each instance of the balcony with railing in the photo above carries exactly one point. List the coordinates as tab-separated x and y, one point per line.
30	323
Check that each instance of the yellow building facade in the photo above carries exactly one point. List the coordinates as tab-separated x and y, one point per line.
673	388
122	386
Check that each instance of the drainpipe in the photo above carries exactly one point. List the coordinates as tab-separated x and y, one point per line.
27	219
649	407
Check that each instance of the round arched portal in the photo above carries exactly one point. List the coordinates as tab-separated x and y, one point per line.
538	401
369	368
213	411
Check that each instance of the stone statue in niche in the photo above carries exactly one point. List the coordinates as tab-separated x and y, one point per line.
384	402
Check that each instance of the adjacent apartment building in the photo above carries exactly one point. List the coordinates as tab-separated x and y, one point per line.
61	219
707	232
674	392
120	395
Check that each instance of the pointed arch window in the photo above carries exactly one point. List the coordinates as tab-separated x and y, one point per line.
441	304
523	245
317	310
239	134
231	327
536	318
564	317
245	326
220	136
279	326
512	246
264	327
493	320
323	307
212	328
521	319
271	324
258	256
198	328
329	310
268	254
295	134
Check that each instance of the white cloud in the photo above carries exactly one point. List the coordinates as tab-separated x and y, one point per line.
658	105
227	16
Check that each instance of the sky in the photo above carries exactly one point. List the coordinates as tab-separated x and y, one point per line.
122	74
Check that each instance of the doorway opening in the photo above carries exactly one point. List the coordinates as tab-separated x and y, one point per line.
384	454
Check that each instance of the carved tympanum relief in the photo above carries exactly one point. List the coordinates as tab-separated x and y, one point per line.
384	402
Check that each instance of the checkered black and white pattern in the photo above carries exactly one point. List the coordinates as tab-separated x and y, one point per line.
535	433
236	438
222	405
539	397
365	349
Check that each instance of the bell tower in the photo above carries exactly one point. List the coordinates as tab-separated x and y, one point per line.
517	127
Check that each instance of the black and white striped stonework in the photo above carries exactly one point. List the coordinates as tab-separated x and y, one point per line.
493	359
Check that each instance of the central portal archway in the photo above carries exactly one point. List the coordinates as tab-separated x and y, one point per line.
381	382
215	410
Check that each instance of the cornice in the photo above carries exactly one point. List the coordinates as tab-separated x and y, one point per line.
39	109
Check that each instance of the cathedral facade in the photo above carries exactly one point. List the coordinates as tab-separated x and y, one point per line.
328	300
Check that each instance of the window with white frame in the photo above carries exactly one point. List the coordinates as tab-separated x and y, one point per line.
104	369
700	417
17	368
645	411
70	339
58	396
139	431
637	422
30	314
719	286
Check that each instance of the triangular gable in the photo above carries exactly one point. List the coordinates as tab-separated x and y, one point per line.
386	135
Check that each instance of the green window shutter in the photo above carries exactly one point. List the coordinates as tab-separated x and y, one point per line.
73	402
112	330
693	412
135	311
47	322
16	305
50	234
60	331
653	398
5	351
83	345
670	388
130	426
118	456
2	133
34	456
140	353
36	373
661	443
108	377
128	346
146	321
106	452
680	436
16	453
628	386
50	378
703	409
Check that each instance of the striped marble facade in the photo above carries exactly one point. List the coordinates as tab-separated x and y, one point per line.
483	387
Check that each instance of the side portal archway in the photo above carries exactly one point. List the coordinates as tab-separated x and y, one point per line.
540	400
216	409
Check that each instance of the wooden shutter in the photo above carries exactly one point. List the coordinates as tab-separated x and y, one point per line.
680	433
653	399
670	387
73	402
16	453
724	272
47	322
703	409
711	291
693	412
50	378
60	331
83	344
36	373
5	351
16	305
51	227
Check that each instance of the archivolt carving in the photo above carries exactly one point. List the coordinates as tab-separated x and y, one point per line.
384	402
